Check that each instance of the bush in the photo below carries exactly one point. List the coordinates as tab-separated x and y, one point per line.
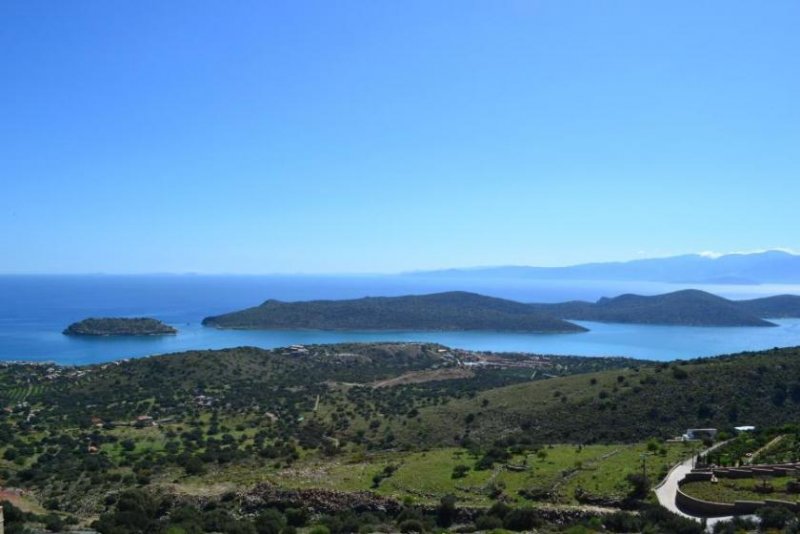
774	517
297	517
640	485
270	521
622	522
679	373
499	509
460	471
522	519
488	522
446	511
412	525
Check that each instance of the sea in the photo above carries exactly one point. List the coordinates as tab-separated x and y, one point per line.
34	310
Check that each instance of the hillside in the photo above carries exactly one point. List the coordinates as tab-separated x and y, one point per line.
775	307
688	307
247	410
119	326
659	400
440	311
407	422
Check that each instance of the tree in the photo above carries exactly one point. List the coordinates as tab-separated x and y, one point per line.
640	485
446	511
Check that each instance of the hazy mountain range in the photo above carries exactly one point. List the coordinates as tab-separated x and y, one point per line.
773	266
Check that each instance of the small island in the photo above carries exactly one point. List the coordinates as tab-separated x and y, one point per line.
119	326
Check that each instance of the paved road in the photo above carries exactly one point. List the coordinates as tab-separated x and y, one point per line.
668	488
666	491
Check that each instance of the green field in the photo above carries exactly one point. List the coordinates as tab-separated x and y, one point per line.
730	490
557	471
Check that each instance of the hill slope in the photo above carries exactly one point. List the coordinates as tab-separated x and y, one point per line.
440	311
772	307
761	389
688	307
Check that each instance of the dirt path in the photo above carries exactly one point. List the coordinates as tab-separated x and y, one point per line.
417	377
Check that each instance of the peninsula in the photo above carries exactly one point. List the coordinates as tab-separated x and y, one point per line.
119	326
454	311
462	311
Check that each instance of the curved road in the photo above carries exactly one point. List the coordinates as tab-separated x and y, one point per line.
668	488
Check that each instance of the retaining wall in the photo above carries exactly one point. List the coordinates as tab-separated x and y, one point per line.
701	508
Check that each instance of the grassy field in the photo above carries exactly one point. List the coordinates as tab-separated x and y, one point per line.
556	471
730	490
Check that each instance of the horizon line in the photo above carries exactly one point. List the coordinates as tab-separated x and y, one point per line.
710	255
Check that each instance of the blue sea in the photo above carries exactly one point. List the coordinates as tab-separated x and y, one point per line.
34	310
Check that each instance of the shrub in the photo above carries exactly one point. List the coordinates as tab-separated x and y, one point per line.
488	522
460	471
522	519
446	511
774	517
412	525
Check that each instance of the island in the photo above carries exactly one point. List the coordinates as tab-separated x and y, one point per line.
449	311
119	326
688	307
464	311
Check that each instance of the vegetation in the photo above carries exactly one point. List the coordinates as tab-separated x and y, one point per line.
119	326
412	435
631	404
441	311
688	307
729	490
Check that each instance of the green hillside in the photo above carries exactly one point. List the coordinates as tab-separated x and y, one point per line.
657	400
440	311
402	422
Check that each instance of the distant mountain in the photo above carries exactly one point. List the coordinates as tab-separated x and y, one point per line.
689	307
119	326
440	311
764	267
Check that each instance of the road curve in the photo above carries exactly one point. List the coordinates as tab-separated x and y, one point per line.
668	488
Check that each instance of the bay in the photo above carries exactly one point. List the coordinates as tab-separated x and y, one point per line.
35	309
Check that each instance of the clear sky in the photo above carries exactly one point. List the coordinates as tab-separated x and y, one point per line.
378	136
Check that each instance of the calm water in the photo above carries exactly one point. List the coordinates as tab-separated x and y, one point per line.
34	311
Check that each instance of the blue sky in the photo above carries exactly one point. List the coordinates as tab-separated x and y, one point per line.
376	136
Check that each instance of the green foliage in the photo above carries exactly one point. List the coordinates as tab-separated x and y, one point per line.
460	471
522	519
719	392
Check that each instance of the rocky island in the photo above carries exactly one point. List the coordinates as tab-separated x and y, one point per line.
119	326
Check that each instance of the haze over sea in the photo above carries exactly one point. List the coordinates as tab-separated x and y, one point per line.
35	309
